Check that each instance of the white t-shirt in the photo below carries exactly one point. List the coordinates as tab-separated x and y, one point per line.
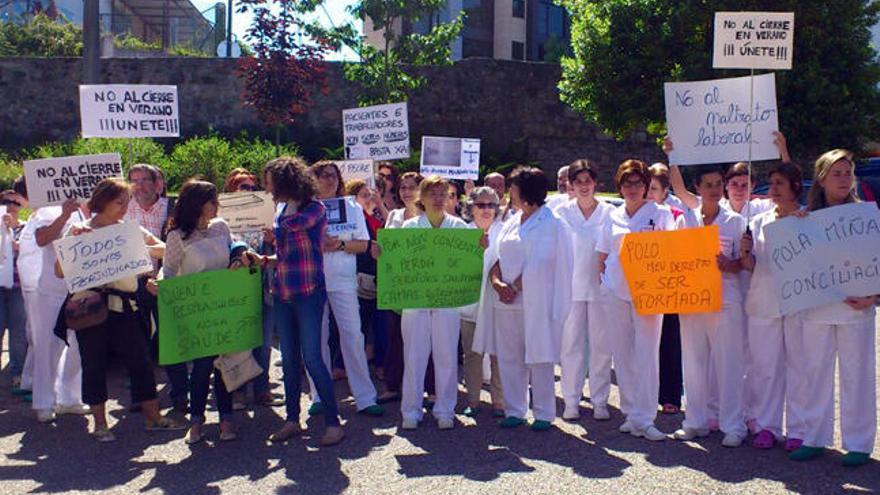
649	217
731	227
30	258
395	218
752	208
585	233
49	283
340	268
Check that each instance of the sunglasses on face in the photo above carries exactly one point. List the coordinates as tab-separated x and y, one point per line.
247	187
9	202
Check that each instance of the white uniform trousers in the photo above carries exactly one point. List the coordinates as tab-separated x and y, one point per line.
853	344
636	354
575	352
351	343
27	373
777	375
426	333
57	375
712	356
601	340
516	375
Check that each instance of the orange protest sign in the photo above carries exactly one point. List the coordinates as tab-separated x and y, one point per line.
673	272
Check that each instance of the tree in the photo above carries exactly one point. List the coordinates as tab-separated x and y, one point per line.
623	52
40	36
287	66
386	73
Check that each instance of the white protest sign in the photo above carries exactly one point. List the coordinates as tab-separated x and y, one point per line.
826	257
358	169
345	219
450	158
712	122
380	132
105	255
51	181
128	111
247	211
753	40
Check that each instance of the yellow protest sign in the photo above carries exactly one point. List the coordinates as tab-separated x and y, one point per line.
673	272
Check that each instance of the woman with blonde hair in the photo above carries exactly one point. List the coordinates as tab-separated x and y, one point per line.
844	330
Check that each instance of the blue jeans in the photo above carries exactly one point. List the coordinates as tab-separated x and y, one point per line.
12	316
200	378
262	354
299	326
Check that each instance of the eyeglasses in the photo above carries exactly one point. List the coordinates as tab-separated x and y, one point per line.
485	206
247	187
9	202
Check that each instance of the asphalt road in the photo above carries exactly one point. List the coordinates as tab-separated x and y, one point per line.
475	457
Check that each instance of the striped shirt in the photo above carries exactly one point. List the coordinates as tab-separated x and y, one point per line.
299	236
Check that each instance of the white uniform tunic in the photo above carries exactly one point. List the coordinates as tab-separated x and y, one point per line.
774	380
585	340
426	333
636	345
713	344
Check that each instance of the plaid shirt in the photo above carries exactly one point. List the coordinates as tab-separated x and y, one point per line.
299	237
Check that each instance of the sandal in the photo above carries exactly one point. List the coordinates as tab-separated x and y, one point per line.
164	424
764	440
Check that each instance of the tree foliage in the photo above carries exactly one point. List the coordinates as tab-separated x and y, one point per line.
386	73
624	50
287	65
40	36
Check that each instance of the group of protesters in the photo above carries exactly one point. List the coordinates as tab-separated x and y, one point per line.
554	292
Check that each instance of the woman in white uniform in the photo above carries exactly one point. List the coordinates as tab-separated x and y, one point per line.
484	207
636	337
428	332
584	334
775	341
843	330
530	300
57	379
340	275
715	338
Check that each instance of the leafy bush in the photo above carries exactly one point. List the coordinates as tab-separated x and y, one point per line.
208	158
9	171
142	150
40	36
253	154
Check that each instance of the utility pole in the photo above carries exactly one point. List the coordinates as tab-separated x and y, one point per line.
91	42
229	29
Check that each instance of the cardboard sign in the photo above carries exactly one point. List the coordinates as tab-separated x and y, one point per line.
52	181
712	121
826	257
753	40
105	255
429	268
247	211
128	111
380	132
450	158
358	169
209	313
673	272
345	219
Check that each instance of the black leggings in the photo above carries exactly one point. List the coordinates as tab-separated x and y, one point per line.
121	335
670	362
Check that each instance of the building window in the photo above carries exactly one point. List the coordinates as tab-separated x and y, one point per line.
517	51
519	8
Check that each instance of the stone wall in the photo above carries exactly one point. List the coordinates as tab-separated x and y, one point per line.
512	106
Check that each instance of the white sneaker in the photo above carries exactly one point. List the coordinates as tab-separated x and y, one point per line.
732	440
409	424
650	433
45	415
77	409
571	413
626	427
445	423
600	413
690	433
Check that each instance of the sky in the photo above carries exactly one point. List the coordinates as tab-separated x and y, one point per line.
335	13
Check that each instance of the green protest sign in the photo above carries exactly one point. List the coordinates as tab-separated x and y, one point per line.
429	268
210	313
